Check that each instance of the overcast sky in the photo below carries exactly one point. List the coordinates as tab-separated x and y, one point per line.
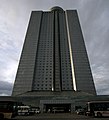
94	20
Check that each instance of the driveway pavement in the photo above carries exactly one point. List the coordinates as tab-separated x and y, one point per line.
57	117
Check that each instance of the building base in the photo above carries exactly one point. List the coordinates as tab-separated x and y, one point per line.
56	101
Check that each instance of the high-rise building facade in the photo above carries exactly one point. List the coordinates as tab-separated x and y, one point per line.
54	56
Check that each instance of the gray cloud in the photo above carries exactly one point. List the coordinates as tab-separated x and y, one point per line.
94	19
96	29
5	88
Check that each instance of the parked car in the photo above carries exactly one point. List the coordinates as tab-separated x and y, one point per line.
37	111
23	110
80	111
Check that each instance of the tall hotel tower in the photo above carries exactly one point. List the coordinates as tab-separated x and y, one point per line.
54	57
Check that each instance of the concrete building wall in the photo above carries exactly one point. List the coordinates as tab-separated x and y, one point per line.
81	66
54	56
66	74
43	73
25	72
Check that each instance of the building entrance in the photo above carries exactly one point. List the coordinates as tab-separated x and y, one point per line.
57	108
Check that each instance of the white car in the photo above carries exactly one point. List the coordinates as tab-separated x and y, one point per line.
23	110
80	111
37	111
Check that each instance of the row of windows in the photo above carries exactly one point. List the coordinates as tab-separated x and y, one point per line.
67	85
49	46
48	83
43	85
44	49
49	88
47	78
45	59
44	81
49	72
45	66
42	88
44	63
